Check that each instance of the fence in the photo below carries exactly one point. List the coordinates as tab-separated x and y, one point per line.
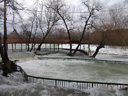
71	83
87	59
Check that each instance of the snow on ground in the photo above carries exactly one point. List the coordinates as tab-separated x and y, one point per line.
14	86
108	53
107	50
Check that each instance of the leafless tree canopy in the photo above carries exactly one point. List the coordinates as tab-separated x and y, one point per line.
126	1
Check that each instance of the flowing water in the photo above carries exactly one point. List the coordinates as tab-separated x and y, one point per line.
78	70
64	69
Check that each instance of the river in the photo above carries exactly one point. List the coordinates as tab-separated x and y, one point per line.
68	69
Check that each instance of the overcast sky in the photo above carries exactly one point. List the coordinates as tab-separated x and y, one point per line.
76	3
106	2
73	3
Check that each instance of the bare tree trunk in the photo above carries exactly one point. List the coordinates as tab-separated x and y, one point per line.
5	32
2	51
33	44
89	50
4	54
50	24
47	33
30	35
28	42
9	66
97	50
6	67
58	8
39	47
85	26
69	35
101	45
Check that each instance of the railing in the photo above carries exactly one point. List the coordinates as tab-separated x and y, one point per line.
44	53
71	83
87	59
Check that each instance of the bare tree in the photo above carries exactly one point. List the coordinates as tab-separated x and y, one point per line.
117	15
47	23
29	30
8	65
101	45
33	28
112	20
101	27
92	7
34	35
60	8
3	49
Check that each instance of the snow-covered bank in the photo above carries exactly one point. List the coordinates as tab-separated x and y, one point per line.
107	50
116	53
14	86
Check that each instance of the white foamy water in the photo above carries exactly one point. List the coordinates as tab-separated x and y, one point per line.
77	70
65	69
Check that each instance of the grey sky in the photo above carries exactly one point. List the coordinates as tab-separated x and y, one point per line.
76	3
106	3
